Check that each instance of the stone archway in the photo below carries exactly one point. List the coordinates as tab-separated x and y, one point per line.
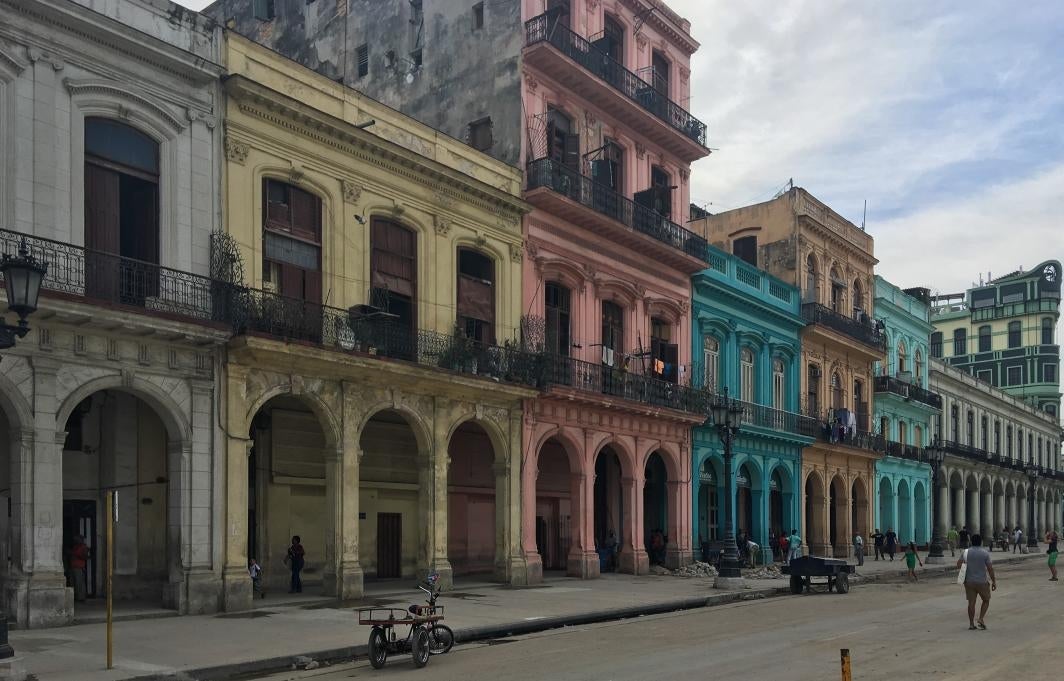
886	503
781	501
557	511
904	527
655	509
816	537
709	511
920	515
838	517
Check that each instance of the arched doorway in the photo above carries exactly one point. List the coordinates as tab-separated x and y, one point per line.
920	515
287	494
779	501
905	520
471	533
556	522
838	517
116	440
859	509
655	507
710	524
744	502
814	513
610	512
886	504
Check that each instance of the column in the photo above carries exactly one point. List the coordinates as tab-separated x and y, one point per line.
510	557
583	561
198	545
987	523
634	559
529	475
959	507
433	499
973	512
334	522
236	583
678	550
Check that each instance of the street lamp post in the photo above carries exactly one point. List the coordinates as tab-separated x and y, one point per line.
936	455
1032	534
728	417
23	276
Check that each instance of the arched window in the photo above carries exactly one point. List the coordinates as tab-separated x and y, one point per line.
1015	334
557	305
918	436
711	359
985	342
1047	331
664	353
779	391
812	390
918	367
563	142
858	299
838	291
746	374
612	333
121	210
812	280
903	359
960	342
837	395
393	271
476	295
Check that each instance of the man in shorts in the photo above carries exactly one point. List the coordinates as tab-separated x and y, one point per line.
979	580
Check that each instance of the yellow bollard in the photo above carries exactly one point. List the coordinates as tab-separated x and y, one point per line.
846	664
109	573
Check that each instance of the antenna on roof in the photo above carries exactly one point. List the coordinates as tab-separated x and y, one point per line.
864	215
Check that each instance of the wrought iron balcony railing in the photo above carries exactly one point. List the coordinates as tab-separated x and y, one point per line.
778	419
552	175
113	280
909	391
541	29
567	372
815	313
903	451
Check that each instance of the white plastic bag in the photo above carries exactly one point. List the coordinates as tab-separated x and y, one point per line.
964	567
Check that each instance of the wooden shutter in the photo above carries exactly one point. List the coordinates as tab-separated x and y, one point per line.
671	353
571	158
102	232
306	213
393	263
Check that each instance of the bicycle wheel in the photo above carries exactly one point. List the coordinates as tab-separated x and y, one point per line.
441	639
378	648
420	647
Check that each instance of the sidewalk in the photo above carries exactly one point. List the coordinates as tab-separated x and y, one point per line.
271	635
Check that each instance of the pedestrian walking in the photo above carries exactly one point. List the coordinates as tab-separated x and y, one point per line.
877	542
785	543
1051	539
979	580
1017	539
255	570
78	560
295	559
795	546
911	559
952	539
858	548
965	537
890	541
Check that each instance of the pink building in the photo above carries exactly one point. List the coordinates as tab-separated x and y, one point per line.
607	152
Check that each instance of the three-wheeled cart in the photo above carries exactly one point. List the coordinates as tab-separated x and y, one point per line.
384	640
803	569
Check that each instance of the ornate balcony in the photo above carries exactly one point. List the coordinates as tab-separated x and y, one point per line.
563	191
815	313
778	419
575	63
908	391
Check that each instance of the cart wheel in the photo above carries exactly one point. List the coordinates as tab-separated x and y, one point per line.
842	583
796	584
378	648
441	639
420	647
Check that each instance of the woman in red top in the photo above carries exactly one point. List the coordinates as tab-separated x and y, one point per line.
79	559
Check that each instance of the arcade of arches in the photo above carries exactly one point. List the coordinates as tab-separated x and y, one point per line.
988	500
837	505
378	482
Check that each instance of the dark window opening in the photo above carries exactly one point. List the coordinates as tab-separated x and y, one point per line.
291	241
75	440
1049	373
1014	376
611	43
415	57
363	60
264	10
393	271
612	332
1014	334
478	16
659	197
997	437
813	390
557	299
480	137
984	435
954	423
563	143
559	12
476	295
664	354
1008	441
960	342
984	339
936	345
745	248
660	73
1047	331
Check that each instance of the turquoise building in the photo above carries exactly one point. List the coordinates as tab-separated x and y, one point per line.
904	411
745	327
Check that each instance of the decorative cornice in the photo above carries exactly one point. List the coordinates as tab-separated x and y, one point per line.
11	63
352	190
442	225
236	151
36	54
515	252
89	87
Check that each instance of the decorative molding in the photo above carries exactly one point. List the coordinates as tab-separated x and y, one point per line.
640	150
515	252
9	62
684	175
443	199
36	54
90	87
531	83
640	41
208	120
685	74
441	224
236	151
589	120
352	191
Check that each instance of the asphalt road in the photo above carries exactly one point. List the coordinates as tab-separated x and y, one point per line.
893	631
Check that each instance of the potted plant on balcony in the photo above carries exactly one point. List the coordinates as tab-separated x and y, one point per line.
459	353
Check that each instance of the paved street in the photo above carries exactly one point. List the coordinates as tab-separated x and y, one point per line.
892	630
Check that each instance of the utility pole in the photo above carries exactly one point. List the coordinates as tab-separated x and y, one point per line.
112	517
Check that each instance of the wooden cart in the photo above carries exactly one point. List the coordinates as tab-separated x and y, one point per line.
803	569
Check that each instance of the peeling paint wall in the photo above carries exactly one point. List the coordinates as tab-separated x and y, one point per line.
466	75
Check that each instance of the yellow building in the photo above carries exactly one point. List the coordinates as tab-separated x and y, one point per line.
802	241
370	408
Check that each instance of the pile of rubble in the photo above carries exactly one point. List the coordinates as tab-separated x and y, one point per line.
766	572
696	569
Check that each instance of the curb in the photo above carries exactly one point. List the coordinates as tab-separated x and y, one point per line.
473	634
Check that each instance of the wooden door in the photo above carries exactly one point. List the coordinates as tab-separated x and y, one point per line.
102	228
389	544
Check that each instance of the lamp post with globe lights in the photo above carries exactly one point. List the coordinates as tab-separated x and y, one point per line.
935	456
23	276
727	417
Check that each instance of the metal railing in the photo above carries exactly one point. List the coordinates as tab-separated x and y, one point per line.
778	419
541	29
910	391
113	280
815	313
567	372
559	178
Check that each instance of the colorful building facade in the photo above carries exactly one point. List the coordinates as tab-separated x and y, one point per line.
803	242
905	410
374	389
746	326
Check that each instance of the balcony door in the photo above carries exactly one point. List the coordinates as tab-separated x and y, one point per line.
608	173
476	296
665	353
291	260
393	281
558	306
121	212
560	13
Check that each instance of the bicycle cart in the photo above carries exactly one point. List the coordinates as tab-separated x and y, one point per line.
385	641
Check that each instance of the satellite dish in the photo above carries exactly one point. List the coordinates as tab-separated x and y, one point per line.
409	77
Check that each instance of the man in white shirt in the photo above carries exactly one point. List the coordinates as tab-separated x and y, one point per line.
858	548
